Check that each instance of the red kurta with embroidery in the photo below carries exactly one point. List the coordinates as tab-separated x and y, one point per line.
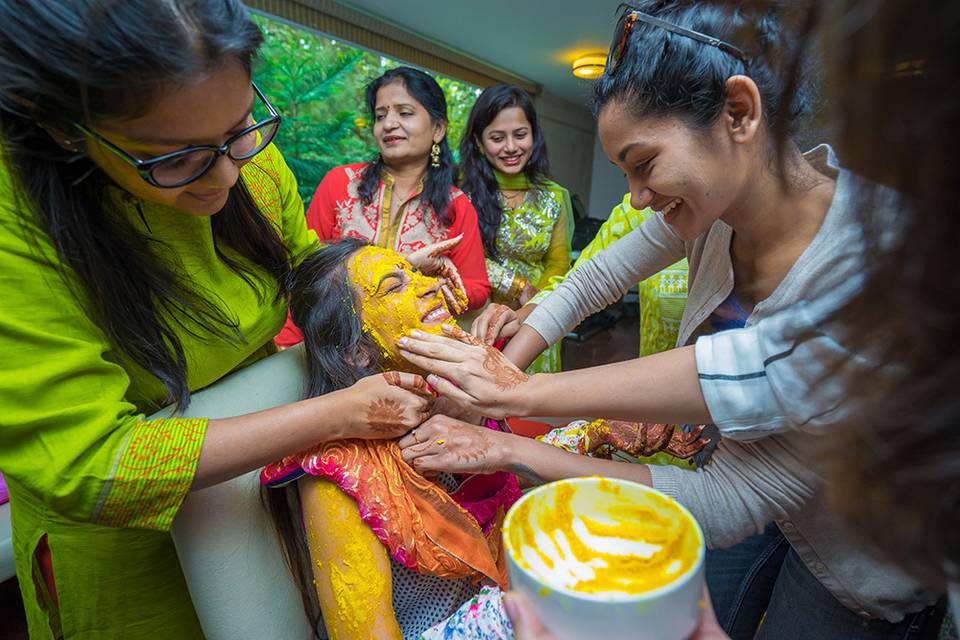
337	212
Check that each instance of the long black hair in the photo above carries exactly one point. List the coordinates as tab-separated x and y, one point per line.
81	61
476	175
664	74
894	473
425	90
337	353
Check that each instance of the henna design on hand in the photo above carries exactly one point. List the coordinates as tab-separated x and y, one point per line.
686	445
418	385
384	416
505	375
464	337
452	286
643	439
476	452
489	337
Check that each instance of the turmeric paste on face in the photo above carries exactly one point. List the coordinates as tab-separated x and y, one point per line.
395	300
621	545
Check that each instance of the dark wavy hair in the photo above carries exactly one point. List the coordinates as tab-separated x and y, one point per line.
425	90
663	74
891	467
895	464
476	175
337	353
87	60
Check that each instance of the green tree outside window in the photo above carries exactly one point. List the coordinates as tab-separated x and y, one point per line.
316	83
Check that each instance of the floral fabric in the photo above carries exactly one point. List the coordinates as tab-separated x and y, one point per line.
483	617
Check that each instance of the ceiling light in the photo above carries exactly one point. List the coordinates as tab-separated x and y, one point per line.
590	65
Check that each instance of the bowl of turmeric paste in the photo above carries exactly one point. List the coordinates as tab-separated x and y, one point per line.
606	558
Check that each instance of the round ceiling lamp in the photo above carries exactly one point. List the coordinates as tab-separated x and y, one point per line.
590	65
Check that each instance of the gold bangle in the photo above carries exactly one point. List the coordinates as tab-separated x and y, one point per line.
516	287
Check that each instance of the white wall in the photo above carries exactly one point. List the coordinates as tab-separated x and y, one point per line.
576	158
569	131
607	184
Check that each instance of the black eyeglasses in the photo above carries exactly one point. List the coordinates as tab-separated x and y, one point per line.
621	36
182	167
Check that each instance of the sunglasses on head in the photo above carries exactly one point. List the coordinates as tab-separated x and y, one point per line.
621	36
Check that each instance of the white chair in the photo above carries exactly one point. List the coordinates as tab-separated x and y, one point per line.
229	552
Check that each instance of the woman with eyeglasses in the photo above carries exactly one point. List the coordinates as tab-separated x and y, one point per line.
147	229
687	108
405	198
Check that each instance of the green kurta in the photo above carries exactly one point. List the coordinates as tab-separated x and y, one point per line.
83	466
533	243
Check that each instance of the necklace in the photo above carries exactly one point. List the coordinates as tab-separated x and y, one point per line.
513	198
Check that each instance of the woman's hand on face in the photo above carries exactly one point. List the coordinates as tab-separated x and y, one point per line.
445	444
431	261
387	405
497	321
474	376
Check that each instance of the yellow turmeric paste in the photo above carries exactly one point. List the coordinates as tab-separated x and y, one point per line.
351	569
394	300
619	543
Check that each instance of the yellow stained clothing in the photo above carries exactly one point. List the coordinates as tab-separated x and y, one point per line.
83	466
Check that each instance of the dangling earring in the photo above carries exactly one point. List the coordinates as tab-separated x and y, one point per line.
435	156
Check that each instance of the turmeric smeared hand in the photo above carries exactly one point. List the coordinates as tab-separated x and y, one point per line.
642	439
431	261
446	444
474	376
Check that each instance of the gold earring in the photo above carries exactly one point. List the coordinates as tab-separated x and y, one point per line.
435	156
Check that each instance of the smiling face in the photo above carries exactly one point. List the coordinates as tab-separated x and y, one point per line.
206	112
691	176
507	141
402	126
394	300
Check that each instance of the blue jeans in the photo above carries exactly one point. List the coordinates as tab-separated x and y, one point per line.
764	576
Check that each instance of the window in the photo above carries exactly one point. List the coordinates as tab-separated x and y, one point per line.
316	83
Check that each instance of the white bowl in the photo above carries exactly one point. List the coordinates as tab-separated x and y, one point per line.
670	611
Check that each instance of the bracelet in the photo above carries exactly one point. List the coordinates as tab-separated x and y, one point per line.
516	287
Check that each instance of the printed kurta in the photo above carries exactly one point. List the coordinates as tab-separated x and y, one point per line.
533	244
83	466
336	211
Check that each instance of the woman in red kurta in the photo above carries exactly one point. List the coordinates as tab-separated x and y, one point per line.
405	199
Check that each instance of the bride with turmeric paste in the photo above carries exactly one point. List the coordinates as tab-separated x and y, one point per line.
391	552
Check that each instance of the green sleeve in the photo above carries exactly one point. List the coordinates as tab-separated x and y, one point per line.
556	261
67	433
268	177
623	219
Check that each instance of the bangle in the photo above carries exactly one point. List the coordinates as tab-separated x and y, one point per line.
516	287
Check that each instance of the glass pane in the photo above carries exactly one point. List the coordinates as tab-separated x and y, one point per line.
181	169
253	142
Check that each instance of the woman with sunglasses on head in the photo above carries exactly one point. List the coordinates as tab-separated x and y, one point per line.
405	198
526	219
147	229
689	118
